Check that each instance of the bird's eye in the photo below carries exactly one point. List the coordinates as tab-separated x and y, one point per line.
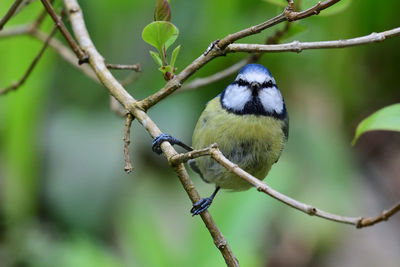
268	84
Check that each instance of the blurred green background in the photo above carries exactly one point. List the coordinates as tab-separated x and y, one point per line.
65	200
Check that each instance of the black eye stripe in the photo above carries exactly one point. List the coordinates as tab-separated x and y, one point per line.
268	84
242	82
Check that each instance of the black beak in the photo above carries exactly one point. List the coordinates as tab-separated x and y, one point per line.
255	85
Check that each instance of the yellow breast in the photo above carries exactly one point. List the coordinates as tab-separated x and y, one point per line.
254	142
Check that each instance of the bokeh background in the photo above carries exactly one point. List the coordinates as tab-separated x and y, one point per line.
65	200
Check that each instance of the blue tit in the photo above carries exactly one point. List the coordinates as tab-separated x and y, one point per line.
250	124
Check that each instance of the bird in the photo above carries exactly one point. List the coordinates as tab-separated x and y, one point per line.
249	123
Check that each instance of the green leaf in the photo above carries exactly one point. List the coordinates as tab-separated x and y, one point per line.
160	34
156	58
387	118
175	55
281	3
173	37
165	69
162	12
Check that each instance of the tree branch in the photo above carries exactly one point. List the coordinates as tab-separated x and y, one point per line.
199	82
97	63
40	18
16	30
10	13
217	50
66	53
217	155
24	29
288	14
86	51
135	67
16	85
314	10
384	216
83	58
24	4
128	122
116	107
297	46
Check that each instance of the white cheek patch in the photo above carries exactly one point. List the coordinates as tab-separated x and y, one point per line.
271	99
236	97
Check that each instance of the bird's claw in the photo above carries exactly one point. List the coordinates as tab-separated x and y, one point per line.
201	206
156	145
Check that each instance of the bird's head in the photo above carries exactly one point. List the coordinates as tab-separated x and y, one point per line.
254	91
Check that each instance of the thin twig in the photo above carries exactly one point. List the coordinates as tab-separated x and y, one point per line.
297	46
66	53
115	88
16	30
137	108
199	82
9	13
185	157
83	58
384	216
127	140
216	154
27	28
314	10
116	107
287	15
129	79
16	85
24	4
41	17
134	67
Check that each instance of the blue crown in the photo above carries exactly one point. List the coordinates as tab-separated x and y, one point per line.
254	68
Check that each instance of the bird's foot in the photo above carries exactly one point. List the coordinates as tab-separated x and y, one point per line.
201	205
156	146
